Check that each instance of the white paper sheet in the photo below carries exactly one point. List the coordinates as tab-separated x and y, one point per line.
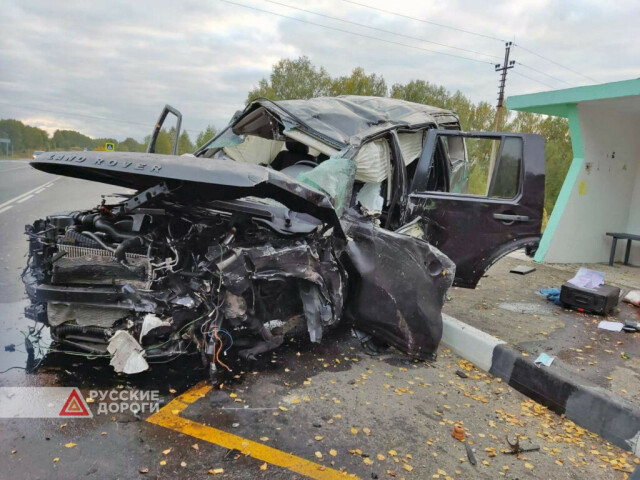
586	278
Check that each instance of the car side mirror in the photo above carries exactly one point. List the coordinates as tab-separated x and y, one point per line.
151	148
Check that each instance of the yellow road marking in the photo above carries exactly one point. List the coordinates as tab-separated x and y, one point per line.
168	417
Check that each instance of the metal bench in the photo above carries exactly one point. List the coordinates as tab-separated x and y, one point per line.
629	237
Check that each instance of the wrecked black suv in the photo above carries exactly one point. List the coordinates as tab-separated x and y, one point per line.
299	215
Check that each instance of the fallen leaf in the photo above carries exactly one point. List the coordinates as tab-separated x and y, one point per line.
214	471
143	470
166	452
406	467
183	464
56	460
63	425
103	433
367	461
354	430
89	400
233	395
441	472
284	409
163	462
70	445
366	431
528	465
318	437
318	454
380	457
263	466
195	446
393	453
333	452
264	439
172	390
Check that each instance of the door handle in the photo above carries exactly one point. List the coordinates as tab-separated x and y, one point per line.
510	218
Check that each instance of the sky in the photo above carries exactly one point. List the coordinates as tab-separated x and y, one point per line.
106	68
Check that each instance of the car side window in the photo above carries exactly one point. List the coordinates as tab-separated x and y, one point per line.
493	168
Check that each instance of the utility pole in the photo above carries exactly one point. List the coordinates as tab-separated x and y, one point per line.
508	64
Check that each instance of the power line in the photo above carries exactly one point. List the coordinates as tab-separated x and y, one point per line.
382	30
545	74
533	79
426	21
357	34
555	63
479	35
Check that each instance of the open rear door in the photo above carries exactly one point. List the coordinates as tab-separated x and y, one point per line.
481	196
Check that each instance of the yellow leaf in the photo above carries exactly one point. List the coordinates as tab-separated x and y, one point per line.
367	461
264	439
528	465
56	460
284	409
333	452
354	430
166	452
163	462
318	437
183	464
263	466
393	453
70	445
233	395
406	467
216	471
295	400
307	399
441	472
318	454
366	431
485	463
380	457
172	390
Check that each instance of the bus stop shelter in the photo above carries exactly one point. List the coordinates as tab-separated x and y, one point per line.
601	192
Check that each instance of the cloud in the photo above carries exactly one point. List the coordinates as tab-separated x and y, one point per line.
117	63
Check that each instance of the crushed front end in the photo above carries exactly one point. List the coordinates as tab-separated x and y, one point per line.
158	276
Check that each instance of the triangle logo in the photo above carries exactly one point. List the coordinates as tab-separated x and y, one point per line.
75	406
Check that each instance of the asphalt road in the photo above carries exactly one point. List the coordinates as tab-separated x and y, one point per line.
317	409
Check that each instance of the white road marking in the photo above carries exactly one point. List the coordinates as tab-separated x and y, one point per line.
25	199
30	192
38	191
5	208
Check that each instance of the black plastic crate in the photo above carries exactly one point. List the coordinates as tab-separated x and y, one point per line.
600	300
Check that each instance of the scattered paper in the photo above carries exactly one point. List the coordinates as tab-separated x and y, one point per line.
544	359
611	326
586	278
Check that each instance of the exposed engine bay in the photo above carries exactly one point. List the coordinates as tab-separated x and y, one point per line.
163	279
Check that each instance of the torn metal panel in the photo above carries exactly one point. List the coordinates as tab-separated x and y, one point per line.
401	286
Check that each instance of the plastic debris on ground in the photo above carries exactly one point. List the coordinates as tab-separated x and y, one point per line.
632	297
611	326
544	359
552	294
522	269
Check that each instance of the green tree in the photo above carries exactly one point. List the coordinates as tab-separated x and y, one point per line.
359	83
184	144
205	135
293	79
131	145
164	142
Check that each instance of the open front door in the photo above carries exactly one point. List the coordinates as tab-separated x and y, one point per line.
481	196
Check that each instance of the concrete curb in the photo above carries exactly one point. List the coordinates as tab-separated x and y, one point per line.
589	406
